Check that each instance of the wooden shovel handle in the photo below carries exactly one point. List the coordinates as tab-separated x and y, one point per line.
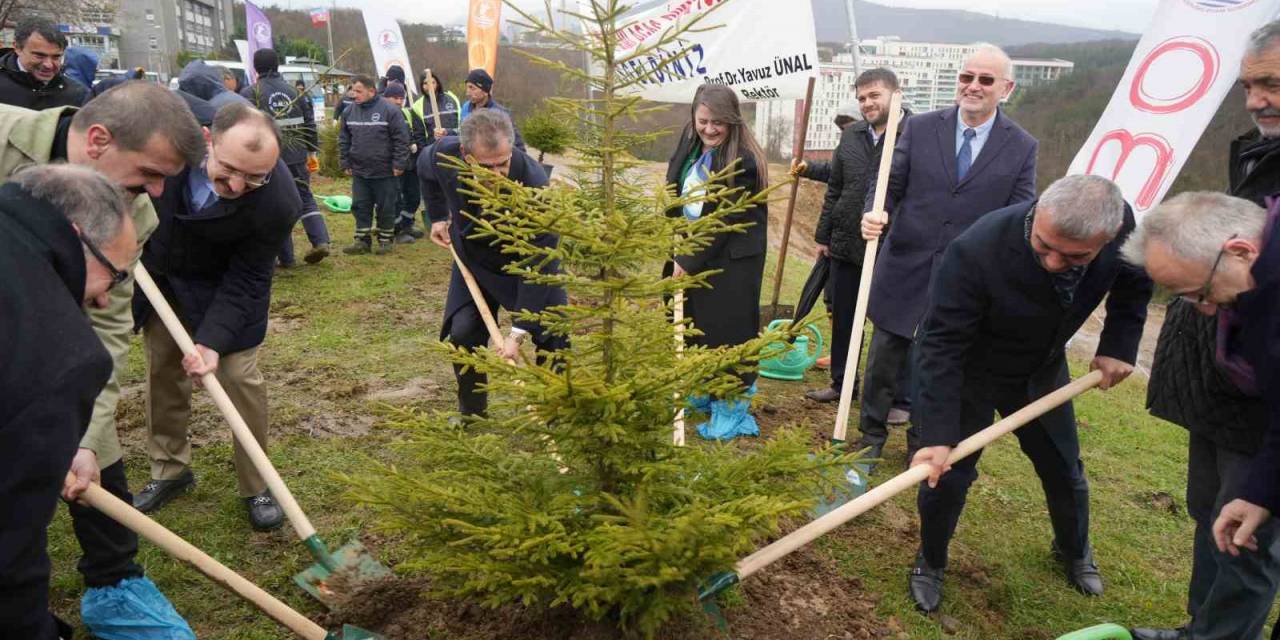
435	108
477	296
797	152
677	317
868	268
301	525
115	508
911	477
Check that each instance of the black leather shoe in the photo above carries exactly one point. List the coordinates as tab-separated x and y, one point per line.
156	493
264	513
925	585
1082	573
1180	633
825	394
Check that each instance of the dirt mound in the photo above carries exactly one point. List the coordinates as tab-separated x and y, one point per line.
804	597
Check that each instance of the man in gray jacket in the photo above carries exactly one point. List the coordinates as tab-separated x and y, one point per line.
373	148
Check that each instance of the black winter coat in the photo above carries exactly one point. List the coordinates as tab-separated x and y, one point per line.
729	312
852	167
441	191
215	265
294	115
1186	386
21	89
373	140
994	319
53	368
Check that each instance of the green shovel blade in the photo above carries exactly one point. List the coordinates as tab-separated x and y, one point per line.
352	562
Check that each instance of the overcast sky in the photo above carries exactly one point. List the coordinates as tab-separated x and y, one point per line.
1125	15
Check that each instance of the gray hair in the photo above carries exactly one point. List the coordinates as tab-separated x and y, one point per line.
486	129
87	198
985	48
1084	206
1194	225
1263	38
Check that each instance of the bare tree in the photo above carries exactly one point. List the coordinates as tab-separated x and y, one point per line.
60	11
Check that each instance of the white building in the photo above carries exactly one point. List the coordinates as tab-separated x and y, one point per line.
926	70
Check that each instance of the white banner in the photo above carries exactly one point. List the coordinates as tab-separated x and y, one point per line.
1186	62
388	45
763	49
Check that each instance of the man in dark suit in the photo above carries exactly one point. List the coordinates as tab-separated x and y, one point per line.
485	141
949	168
221	225
1010	292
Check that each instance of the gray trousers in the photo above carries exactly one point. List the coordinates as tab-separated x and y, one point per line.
1229	597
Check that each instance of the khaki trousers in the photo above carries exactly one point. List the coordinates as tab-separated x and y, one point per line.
169	406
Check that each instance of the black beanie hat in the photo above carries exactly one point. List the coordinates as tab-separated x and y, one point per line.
393	90
395	72
265	60
482	79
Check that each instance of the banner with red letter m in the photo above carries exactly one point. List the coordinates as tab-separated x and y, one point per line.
1186	62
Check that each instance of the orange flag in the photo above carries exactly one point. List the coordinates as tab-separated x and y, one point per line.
482	35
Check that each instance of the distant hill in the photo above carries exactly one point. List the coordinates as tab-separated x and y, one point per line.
945	25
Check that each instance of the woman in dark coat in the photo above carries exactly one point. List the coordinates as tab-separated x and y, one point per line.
729	312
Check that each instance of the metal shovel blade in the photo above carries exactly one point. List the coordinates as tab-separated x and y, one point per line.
352	563
854	485
353	633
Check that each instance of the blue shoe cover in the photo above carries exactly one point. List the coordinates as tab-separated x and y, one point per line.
699	404
730	419
132	610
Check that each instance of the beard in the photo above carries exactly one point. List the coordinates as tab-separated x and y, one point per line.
1267	131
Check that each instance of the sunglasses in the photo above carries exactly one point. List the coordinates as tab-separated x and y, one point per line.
1203	294
117	276
984	80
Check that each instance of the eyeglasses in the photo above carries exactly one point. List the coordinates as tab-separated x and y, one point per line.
492	166
1203	293
117	276
984	79
251	181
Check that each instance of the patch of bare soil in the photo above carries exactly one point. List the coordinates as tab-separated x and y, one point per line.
804	597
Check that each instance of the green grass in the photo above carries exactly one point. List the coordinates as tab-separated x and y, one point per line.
352	327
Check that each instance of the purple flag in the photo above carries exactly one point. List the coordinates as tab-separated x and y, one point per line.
258	29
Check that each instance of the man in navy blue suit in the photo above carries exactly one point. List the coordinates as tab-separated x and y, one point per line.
1009	293
950	166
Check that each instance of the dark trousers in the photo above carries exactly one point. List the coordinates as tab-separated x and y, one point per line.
1049	442
1229	597
410	198
312	220
108	547
887	357
842	288
380	194
466	329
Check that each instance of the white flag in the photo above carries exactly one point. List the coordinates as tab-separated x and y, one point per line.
1185	64
388	45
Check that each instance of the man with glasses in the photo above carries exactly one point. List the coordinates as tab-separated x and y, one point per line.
485	143
1221	254
950	167
31	75
1009	293
213	254
65	239
1226	425
136	134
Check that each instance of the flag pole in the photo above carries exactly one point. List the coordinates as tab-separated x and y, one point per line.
328	27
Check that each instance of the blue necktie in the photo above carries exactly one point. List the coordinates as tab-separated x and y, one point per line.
964	159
